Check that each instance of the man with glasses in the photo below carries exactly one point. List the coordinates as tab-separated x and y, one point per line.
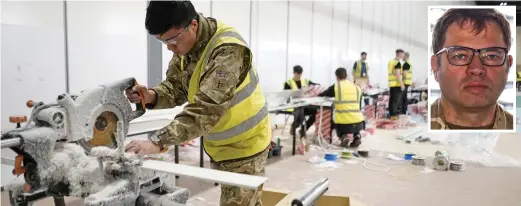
471	65
212	70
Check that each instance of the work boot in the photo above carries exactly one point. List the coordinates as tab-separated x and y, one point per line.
302	132
345	141
357	141
394	117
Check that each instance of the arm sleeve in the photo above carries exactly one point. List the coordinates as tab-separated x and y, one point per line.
170	92
406	66
312	83
398	65
330	92
286	86
228	66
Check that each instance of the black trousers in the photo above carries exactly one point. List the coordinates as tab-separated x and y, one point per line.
342	130
395	95
404	102
311	112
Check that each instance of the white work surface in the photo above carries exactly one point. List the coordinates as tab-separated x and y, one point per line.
154	120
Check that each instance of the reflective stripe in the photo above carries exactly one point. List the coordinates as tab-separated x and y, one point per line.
247	90
346	101
224	34
254	80
242	127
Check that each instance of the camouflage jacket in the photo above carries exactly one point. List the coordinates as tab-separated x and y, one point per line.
226	69
503	121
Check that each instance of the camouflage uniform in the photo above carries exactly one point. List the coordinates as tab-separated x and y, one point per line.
235	196
504	120
211	101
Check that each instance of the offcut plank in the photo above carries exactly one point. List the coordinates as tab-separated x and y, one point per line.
226	178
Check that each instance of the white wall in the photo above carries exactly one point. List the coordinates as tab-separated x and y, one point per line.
33	60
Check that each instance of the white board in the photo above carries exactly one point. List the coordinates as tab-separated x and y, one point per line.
226	178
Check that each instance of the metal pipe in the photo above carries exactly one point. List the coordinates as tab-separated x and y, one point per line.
310	196
7	143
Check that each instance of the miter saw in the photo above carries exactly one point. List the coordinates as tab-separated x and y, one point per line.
74	147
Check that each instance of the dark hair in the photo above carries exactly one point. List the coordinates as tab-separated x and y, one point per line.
399	51
164	15
477	16
298	69
363	53
341	73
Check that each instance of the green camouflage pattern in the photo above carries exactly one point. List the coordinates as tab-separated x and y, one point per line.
226	69
503	121
236	196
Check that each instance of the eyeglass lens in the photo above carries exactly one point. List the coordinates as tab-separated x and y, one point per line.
460	56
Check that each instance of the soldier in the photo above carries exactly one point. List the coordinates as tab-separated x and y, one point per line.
212	70
471	65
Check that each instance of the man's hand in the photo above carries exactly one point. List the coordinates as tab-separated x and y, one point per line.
149	96
413	84
142	147
402	86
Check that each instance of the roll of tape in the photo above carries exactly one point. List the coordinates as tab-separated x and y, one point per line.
441	160
457	166
363	153
417	160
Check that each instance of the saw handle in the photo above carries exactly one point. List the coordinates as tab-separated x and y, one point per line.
140	106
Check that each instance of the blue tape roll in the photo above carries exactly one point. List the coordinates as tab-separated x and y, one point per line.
331	157
408	156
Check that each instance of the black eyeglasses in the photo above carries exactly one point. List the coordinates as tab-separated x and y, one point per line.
463	56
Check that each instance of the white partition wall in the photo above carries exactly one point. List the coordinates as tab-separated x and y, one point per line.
33	60
300	37
106	41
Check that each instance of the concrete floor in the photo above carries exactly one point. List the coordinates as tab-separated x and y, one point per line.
403	184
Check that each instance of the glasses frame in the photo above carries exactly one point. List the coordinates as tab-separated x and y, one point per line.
446	50
175	39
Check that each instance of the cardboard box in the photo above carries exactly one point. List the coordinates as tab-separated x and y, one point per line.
272	197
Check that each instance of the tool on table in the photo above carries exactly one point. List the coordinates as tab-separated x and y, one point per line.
309	196
457	166
89	130
441	160
417	160
363	152
408	156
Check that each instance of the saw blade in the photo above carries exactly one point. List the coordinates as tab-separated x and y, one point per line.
104	130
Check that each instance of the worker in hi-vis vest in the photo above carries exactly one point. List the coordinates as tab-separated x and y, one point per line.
407	82
296	83
396	84
361	70
347	116
212	70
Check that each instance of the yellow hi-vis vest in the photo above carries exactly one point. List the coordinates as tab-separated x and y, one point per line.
347	103
293	85
358	71
518	79
393	82
244	129
407	80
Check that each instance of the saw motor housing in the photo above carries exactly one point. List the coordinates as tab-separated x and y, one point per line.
90	118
